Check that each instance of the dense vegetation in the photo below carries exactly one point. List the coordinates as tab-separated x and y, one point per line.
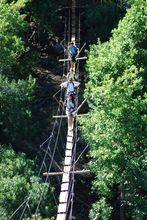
116	94
17	181
18	178
117	125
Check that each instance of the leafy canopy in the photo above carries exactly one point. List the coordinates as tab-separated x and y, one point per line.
12	25
116	128
17	181
16	122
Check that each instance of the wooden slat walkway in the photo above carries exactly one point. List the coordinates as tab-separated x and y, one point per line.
64	193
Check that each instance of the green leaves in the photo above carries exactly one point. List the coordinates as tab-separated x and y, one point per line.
15	110
17	181
116	127
11	45
101	209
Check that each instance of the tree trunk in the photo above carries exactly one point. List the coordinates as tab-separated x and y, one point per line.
122	197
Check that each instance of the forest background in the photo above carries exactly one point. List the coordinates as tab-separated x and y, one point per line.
116	95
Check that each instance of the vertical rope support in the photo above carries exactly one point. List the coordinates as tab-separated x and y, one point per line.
65	31
79	39
73	21
69	30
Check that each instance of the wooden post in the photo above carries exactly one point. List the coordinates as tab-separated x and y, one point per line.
65	116
67	172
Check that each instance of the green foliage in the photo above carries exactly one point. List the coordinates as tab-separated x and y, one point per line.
18	3
100	207
18	180
16	123
3	213
117	124
12	26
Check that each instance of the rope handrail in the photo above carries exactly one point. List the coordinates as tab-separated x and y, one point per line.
19	207
46	152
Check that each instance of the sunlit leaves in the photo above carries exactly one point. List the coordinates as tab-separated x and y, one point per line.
15	109
101	204
12	26
17	182
116	127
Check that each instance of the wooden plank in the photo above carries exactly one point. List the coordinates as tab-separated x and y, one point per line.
70	133
62	208
61	216
78	58
63	197
65	116
67	161
62	60
65	178
69	147
69	144
64	186
66	172
67	169
69	139
68	153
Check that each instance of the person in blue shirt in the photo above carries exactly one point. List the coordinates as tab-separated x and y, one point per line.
70	110
71	86
73	51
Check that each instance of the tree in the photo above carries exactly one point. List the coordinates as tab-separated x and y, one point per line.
116	127
12	25
17	181
17	125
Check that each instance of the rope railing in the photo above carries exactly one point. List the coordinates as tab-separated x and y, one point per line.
49	140
19	207
51	162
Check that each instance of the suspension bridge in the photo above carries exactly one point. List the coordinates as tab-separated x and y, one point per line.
68	171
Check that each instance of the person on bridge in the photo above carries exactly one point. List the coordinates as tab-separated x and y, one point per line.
73	51
70	110
71	87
